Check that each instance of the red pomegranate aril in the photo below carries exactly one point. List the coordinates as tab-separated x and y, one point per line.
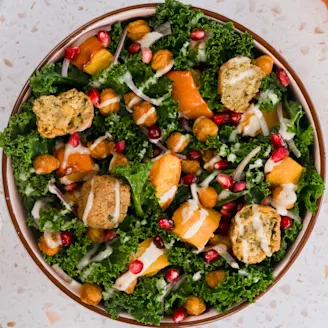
158	241
146	55
240	206
179	314
194	154
286	222
279	154
93	94
72	53
277	141
171	275
184	123
197	35
224	228
229	206
282	77
104	38
134	48
239	186
211	256
136	266
235	117
266	201
221	165
74	140
109	235
120	146
154	132
72	186
221	118
224	180
227	213
66	238
156	150
189	179
166	224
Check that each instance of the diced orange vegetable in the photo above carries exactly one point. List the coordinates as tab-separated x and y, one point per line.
98	61
184	91
271	118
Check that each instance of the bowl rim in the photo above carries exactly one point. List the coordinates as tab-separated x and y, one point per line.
301	243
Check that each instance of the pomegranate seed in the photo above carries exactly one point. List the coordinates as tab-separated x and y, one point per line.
221	165
221	118
184	123
154	132
194	154
72	53
166	224
74	140
136	266
104	38
239	186
189	179
93	94
277	141
134	48
66	238
239	207
72	186
279	154
266	201
146	55
158	241
109	235
229	206
224	180
210	256
224	227
120	146
286	222
235	117
156	150
197	35
226	213
282	77
171	275
179	314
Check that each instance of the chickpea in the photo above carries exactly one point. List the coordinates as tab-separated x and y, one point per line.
72	196
96	235
208	155
195	305
218	239
208	196
102	150
177	142
46	249
204	127
161	59
90	293
131	99
265	62
109	95
190	166
118	159
132	286
138	29
214	278
45	164
144	114
278	195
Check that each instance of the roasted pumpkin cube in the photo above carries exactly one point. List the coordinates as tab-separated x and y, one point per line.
98	61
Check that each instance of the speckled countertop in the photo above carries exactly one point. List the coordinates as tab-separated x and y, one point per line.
29	29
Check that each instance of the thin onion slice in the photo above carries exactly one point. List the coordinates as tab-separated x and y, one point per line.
164	29
63	275
209	179
263	123
240	168
222	250
86	259
174	285
294	216
55	190
194	193
64	71
120	46
150	38
294	148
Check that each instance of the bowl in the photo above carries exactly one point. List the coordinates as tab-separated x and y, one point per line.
17	211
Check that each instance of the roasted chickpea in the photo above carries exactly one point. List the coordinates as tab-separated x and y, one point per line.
214	278
90	293
204	127
190	166
144	114
46	249
96	235
208	196
265	62
177	142
72	196
131	99
132	286
218	239
45	164
208	155
195	305
138	29
109	96
100	150
161	59
279	196
118	159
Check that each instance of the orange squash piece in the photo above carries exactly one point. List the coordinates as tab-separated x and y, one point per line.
185	92
98	61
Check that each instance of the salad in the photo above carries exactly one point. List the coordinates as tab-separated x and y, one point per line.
164	165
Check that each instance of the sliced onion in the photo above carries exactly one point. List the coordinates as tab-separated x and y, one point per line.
240	168
55	190
164	29
194	194
294	216
222	250
294	148
283	126
150	38
263	123
209	179
86	259
174	285
64	71
61	273
120	46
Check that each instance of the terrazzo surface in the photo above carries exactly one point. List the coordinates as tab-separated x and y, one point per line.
29	29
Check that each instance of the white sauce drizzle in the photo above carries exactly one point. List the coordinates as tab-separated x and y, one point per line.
197	225
189	210
52	238
213	160
116	213
134	101
224	194
168	195
182	140
286	198
110	102
245	250
144	117
264	126
86	259
194	192
197	276
89	203
240	225
209	179
99	140
269	165
38	205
